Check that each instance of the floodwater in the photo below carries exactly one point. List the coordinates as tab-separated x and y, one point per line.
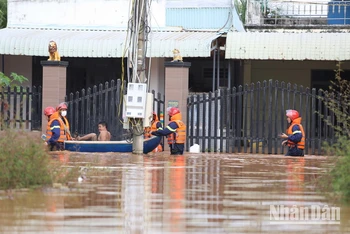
194	193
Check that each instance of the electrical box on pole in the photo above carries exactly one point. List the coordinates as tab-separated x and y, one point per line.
138	104
136	100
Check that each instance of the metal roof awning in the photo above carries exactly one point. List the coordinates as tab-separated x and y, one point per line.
102	43
288	46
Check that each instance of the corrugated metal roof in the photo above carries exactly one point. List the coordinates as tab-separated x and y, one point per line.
288	46
102	43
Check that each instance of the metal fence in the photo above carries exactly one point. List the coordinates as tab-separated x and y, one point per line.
20	108
298	12
250	118
102	103
245	119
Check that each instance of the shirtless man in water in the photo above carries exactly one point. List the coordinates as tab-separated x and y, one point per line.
104	135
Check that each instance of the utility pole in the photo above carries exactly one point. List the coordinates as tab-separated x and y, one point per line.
139	33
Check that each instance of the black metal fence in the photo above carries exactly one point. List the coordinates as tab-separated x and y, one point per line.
250	118
20	108
245	119
101	103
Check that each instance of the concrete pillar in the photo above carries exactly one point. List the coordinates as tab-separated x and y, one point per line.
176	88
54	85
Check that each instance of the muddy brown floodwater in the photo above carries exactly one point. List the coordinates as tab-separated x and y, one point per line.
194	193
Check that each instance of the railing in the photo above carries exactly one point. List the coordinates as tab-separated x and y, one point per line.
250	118
298	12
20	108
101	103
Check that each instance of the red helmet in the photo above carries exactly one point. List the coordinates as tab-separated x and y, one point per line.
62	105
292	114
49	111
173	111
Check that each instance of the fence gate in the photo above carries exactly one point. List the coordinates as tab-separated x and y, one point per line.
250	118
101	103
246	119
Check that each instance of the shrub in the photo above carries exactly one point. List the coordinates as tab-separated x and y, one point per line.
340	172
337	180
24	161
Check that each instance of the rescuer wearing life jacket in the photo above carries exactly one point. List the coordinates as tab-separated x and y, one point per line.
295	137
54	135
155	125
175	131
62	112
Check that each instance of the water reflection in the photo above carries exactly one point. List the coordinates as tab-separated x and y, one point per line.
165	194
295	172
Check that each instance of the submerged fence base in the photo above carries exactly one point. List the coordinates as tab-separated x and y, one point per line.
245	120
255	116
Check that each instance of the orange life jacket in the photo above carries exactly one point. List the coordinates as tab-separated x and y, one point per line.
67	128
64	127
153	128
301	144
179	132
62	137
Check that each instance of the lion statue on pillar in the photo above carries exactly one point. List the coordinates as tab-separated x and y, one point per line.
53	53
177	56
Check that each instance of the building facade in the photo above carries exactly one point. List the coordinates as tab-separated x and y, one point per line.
92	38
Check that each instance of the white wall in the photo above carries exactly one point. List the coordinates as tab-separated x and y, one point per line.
76	13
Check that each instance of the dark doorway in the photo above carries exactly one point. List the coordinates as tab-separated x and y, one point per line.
321	79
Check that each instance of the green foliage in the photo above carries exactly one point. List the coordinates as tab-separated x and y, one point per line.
337	100
241	7
24	161
9	82
13	80
3	13
336	181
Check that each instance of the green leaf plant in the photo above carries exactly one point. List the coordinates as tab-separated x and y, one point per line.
336	181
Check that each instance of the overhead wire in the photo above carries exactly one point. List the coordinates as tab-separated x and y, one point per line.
136	25
140	59
146	47
127	46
